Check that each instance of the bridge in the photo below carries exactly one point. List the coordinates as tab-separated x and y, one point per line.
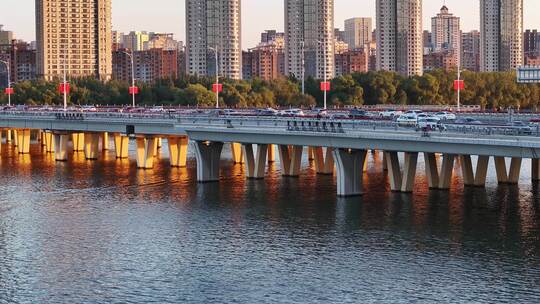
336	146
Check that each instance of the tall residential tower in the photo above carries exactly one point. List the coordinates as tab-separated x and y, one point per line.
446	34
211	25
74	36
399	36
358	32
309	36
501	32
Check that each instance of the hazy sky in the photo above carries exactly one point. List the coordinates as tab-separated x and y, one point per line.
257	15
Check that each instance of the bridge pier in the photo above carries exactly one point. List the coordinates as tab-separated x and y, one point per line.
91	145
105	141
236	149
23	141
121	145
78	142
49	142
15	137
447	169
349	164
401	181
324	160
394	171
291	160
146	146
178	151
500	168
432	171
271	153
61	146
255	160
8	136
208	155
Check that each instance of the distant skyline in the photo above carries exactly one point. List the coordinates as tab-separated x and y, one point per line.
257	15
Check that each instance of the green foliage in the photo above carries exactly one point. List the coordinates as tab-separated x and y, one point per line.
490	90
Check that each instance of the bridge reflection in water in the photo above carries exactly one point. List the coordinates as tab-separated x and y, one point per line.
74	227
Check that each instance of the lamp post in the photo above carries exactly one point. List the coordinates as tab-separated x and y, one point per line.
326	86
8	91
302	45
133	91
459	89
65	86
216	86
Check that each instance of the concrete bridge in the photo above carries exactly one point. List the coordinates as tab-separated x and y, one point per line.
336	146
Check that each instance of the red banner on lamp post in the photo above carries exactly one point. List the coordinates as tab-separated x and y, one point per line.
459	85
217	88
9	91
63	88
325	86
133	90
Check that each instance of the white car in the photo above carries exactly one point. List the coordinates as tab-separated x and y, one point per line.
446	115
292	113
429	124
390	114
407	120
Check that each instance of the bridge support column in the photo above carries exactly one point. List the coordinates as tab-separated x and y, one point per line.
535	170
105	141
49	142
15	138
447	170
311	153
432	171
8	136
284	159
324	161
467	170
409	172
236	149
178	151
255	162
349	164
296	160
78	142
61	145
515	170
91	145
271	153
145	152
384	162
121	145
500	168
208	155
481	171
23	141
394	172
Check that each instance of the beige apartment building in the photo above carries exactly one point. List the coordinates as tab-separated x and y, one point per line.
74	36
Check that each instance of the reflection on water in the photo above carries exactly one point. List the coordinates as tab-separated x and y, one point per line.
104	232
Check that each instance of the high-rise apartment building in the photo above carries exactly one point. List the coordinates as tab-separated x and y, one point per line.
211	25
399	36
446	34
74	36
309	36
135	40
470	51
5	36
358	32
149	65
501	32
530	42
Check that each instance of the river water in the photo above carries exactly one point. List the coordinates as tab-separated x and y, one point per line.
105	232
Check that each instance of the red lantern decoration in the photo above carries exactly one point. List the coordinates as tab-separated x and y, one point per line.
133	90
325	86
459	85
9	91
64	88
217	88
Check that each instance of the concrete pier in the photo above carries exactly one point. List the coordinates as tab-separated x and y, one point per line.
349	165
255	160
208	155
178	148
146	146
61	140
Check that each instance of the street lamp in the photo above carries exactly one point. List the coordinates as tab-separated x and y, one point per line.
325	86
302	45
8	90
132	90
216	85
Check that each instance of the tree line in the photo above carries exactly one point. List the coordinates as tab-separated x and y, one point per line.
490	90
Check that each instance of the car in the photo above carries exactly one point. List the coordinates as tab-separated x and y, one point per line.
156	110
429	124
521	127
266	112
292	113
416	112
339	116
319	112
229	112
446	115
468	121
358	114
410	119
389	114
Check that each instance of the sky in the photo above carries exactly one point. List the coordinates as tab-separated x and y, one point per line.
257	15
